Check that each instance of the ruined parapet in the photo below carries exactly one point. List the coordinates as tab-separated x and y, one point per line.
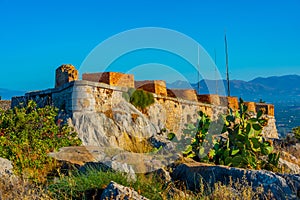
155	86
65	74
111	78
268	109
209	99
251	106
187	94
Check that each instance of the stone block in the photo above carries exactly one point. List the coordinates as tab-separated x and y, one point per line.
233	103
111	78
154	86
209	99
64	74
187	94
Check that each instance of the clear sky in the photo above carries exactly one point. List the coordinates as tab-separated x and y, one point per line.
38	36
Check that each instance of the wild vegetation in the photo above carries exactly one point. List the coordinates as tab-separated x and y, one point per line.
28	134
241	144
296	132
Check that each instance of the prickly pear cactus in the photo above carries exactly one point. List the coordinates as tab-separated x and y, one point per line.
242	144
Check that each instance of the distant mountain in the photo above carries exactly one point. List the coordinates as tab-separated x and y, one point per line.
7	94
271	89
179	84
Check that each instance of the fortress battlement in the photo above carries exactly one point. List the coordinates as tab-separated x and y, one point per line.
94	93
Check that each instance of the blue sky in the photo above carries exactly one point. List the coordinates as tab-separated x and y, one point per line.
38	36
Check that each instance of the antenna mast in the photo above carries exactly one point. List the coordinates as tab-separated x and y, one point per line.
198	65
227	73
216	71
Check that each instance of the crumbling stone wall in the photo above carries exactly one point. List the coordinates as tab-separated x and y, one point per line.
155	86
111	78
87	96
5	104
64	74
268	109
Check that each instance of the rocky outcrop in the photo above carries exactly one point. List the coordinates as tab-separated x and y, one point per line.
280	185
120	192
115	158
124	127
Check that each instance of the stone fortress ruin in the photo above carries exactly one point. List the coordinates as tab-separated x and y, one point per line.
103	93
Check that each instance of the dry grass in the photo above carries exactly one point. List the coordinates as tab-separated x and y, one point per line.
12	188
288	150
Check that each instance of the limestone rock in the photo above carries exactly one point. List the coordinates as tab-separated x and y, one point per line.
5	167
162	174
281	186
127	128
120	192
131	120
75	155
289	166
122	167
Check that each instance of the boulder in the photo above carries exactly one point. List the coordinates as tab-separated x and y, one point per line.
74	155
120	192
281	186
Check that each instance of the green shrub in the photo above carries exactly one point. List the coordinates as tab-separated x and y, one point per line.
141	99
84	185
296	132
243	146
28	134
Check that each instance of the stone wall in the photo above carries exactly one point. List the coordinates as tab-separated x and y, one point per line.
233	103
102	93
251	106
155	86
111	78
5	104
209	99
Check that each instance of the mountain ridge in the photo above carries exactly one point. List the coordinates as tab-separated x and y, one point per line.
271	89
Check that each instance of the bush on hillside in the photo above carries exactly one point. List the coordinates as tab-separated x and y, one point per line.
28	134
140	98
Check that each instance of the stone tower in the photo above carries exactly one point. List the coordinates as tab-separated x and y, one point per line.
64	74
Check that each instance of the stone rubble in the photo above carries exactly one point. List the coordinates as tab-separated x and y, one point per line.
119	192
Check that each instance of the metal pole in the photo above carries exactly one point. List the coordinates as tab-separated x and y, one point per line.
227	73
198	65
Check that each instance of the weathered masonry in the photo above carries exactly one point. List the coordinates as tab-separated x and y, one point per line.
97	92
